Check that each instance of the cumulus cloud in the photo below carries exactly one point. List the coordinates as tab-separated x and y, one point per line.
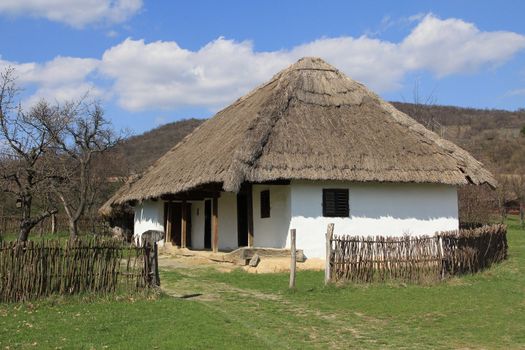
76	13
162	74
61	79
452	46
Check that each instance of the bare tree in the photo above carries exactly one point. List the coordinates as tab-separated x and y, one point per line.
517	182
23	148
422	111
79	133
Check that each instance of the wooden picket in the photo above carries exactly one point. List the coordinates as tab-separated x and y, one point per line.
33	269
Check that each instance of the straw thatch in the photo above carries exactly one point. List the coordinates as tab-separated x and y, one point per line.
311	122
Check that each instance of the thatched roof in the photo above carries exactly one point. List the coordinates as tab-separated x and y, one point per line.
310	121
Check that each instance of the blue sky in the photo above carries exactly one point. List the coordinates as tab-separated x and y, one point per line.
152	62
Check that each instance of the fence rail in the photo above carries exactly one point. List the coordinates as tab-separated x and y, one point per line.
33	269
414	259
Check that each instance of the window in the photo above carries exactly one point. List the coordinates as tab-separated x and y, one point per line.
265	204
335	202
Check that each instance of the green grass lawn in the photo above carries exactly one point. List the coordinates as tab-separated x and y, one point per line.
35	236
238	310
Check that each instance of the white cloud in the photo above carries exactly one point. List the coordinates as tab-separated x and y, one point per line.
77	13
454	46
162	74
61	79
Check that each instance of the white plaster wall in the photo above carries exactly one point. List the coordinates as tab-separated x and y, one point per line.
375	209
227	213
197	225
273	231
149	215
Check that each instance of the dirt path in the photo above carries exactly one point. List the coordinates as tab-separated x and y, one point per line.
240	305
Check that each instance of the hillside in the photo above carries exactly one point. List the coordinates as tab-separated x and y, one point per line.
492	136
140	151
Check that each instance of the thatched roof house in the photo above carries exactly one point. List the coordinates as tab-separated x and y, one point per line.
310	126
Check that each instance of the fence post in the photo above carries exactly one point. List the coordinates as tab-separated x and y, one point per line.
293	262
53	224
441	255
155	265
327	270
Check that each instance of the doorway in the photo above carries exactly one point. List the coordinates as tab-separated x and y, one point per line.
207	224
242	219
173	222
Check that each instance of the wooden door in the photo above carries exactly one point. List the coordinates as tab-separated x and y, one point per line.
242	220
207	224
173	222
188	223
176	224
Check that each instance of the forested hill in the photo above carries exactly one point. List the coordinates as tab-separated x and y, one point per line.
140	151
492	136
495	137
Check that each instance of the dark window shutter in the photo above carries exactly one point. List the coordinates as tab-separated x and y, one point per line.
335	202
265	204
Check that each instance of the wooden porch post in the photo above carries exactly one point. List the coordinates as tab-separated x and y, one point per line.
215	226
249	200
184	224
168	223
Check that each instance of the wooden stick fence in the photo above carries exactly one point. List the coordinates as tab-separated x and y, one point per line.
33	269
413	259
469	251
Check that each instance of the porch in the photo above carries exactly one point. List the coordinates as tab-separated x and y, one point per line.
209	219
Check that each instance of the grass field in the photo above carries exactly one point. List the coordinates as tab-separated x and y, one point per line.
238	310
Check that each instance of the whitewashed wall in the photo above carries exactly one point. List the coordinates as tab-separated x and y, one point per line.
227	213
375	209
271	232
149	215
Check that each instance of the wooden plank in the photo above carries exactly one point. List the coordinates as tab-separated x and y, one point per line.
248	253
249	204
215	225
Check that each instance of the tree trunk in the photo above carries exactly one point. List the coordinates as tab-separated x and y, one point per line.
25	222
24	233
53	224
73	228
